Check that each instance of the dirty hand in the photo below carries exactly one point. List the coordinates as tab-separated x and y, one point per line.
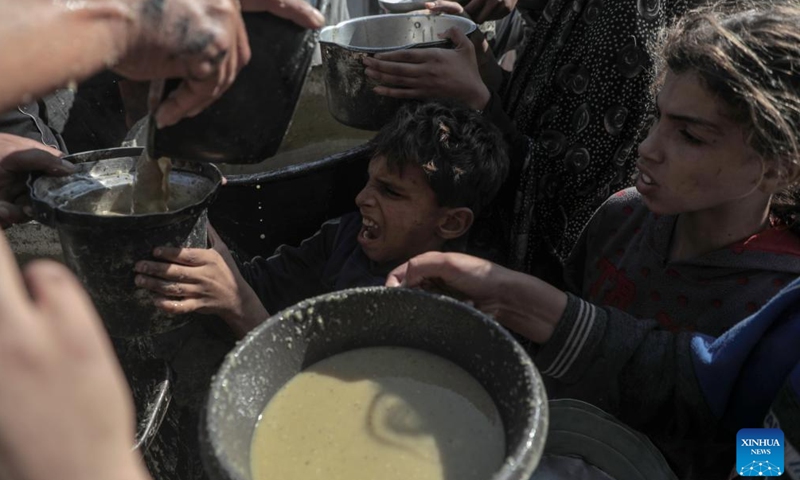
298	11
65	409
521	302
431	73
202	280
204	42
19	156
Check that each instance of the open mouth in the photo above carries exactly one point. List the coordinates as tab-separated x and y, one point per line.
646	179
369	229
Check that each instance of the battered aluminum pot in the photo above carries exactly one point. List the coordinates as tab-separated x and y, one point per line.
324	326
351	100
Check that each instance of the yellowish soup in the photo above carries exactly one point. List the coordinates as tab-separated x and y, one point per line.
380	413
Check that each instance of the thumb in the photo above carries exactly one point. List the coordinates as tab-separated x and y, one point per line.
459	39
214	240
44	159
216	243
397	277
11	214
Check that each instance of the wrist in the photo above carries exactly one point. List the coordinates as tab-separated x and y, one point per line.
250	314
530	306
480	99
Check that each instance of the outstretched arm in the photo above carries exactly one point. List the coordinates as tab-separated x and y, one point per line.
65	410
59	43
628	366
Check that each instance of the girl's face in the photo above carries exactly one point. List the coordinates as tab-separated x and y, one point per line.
694	157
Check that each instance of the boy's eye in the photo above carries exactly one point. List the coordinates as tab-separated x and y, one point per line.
389	190
690	138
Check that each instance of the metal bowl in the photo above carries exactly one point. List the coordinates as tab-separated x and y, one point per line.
368	317
383	33
351	99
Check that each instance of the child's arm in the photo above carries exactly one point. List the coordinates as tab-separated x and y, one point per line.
202	280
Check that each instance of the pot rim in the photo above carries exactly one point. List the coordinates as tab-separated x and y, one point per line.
55	215
519	463
471	27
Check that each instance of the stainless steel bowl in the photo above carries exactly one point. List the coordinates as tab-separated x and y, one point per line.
381	33
351	99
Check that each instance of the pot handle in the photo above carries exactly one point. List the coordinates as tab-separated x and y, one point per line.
156	411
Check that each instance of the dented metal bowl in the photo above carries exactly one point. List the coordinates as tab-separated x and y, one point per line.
351	100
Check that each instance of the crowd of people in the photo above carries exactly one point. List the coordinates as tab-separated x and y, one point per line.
637	167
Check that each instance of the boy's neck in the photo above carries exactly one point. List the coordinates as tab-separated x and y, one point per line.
701	232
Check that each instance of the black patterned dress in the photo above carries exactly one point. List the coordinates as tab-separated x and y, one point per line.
581	94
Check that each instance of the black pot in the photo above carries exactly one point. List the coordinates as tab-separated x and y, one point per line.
248	122
256	213
102	249
366	317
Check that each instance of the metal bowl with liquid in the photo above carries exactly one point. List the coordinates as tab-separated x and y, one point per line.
324	326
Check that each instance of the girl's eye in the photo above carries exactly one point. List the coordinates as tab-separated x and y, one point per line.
690	138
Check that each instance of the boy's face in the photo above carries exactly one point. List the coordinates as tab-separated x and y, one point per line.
401	215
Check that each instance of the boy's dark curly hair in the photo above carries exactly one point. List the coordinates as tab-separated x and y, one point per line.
462	154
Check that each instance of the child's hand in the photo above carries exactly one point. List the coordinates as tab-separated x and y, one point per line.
201	280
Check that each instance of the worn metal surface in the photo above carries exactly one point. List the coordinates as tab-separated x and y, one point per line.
102	250
323	326
351	99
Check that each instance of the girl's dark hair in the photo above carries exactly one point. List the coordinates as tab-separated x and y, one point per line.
462	154
750	59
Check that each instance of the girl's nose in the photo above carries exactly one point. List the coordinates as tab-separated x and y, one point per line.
650	148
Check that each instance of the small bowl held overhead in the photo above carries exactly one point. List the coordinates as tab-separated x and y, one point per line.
351	99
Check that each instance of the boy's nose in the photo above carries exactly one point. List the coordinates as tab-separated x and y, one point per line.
364	198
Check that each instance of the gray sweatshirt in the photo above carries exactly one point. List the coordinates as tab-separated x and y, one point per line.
625	346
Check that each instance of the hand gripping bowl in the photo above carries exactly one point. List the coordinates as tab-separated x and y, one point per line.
324	326
351	100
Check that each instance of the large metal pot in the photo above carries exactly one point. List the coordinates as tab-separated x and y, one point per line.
102	249
366	317
344	46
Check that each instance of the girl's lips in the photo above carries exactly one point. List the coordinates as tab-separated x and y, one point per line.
647	179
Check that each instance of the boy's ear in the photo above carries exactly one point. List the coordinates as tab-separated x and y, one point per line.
455	223
777	176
